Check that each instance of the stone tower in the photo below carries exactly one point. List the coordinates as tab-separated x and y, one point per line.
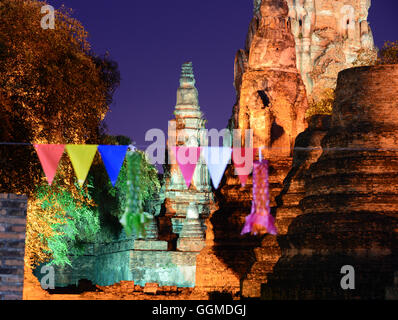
271	101
187	129
271	97
329	36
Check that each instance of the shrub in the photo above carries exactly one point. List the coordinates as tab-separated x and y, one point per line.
365	57
60	222
322	106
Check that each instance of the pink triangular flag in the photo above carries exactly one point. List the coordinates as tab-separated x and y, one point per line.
187	159
49	156
243	163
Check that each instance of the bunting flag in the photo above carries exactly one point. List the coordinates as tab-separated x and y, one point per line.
217	159
260	220
82	157
49	156
243	163
113	158
187	159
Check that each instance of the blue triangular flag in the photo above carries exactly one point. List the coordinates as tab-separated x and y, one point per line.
217	159
113	157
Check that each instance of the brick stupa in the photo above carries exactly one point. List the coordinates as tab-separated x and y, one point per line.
351	196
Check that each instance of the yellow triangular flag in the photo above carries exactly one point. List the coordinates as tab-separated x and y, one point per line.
81	156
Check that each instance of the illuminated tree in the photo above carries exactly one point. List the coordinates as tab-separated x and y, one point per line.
389	53
53	89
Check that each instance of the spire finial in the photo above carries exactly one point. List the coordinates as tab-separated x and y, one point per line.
187	77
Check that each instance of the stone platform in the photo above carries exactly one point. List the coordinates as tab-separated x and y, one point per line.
141	261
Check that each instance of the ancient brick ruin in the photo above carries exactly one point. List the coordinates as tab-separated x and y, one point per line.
332	178
267	266
12	245
350	214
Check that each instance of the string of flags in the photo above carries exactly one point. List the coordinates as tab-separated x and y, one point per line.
217	159
260	220
82	157
187	158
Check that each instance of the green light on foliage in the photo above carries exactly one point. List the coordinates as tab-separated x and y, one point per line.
134	218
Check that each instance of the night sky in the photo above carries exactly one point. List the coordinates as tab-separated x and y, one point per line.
151	39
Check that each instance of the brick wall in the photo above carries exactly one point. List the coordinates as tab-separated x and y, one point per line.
12	245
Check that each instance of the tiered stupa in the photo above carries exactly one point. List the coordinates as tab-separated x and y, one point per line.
186	130
351	202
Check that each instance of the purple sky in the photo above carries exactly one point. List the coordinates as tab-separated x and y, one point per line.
150	39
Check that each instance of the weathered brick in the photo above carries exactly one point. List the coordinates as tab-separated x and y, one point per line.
9	235
12	196
10	270
17	284
14	253
16	213
12	297
12	220
10	204
14	262
6	271
11	279
151	288
20	229
12	244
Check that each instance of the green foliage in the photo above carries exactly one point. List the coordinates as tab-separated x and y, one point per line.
134	218
77	224
111	201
